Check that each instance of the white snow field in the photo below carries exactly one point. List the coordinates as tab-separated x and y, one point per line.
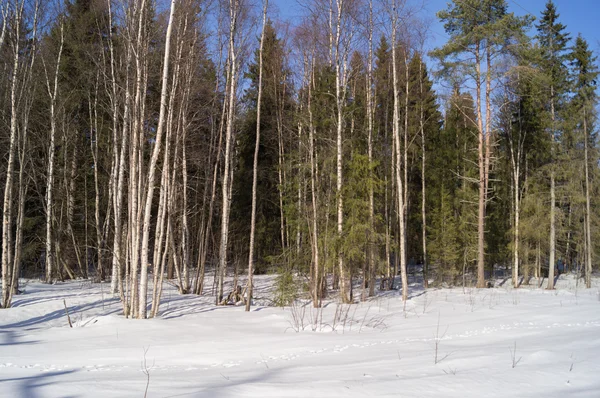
374	349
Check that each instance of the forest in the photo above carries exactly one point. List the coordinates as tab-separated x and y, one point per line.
194	142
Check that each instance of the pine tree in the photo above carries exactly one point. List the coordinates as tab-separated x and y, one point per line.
482	29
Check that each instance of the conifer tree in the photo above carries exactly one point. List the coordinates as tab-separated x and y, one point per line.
482	30
553	45
583	105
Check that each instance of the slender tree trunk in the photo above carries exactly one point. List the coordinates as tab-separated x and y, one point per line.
552	232
488	149
118	167
516	151
94	151
370	110
23	181
8	187
482	178
71	186
405	147
52	92
517	211
152	168
552	244
588	235
340	101
136	159
399	185
233	16
316	286
423	163
206	223
255	164
22	189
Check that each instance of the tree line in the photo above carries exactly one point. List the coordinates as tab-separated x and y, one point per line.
189	139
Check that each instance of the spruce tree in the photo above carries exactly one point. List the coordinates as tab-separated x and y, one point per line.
583	110
553	44
276	97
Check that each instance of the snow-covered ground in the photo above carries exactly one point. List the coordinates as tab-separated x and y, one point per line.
378	348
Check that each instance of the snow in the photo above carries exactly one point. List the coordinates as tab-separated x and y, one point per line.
379	348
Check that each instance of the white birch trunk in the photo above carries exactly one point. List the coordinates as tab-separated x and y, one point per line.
370	110
8	187
396	133
233	15
423	163
255	164
152	168
52	93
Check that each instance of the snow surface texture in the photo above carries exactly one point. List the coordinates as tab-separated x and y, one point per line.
496	342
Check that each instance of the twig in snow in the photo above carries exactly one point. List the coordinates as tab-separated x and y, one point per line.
146	370
437	340
513	355
67	311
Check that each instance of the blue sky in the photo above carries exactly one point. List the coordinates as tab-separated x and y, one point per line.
580	16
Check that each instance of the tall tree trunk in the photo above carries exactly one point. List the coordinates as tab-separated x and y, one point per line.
370	110
255	163
482	177
52	93
552	244
517	211
423	163
136	159
316	286
23	181
118	161
588	235
215	150
152	168
552	261
233	16
405	147
8	187
340	101
516	154
399	185
488	140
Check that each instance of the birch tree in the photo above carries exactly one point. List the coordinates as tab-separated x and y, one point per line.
234	11
395	19
52	88
7	249
255	165
152	167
